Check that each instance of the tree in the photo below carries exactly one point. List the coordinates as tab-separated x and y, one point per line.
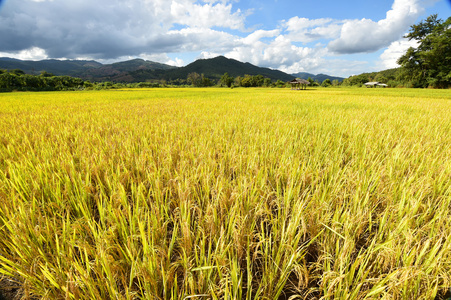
227	80
46	74
430	63
246	81
267	82
205	81
9	81
280	84
380	78
18	72
258	80
194	78
326	83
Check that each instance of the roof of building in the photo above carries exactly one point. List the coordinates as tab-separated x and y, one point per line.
300	81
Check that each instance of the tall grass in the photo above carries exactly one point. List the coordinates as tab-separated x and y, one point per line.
226	194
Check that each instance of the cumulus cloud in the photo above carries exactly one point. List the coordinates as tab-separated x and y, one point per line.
396	49
162	58
33	53
277	53
307	30
109	28
208	15
366	35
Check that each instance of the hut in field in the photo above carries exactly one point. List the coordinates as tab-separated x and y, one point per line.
375	84
299	84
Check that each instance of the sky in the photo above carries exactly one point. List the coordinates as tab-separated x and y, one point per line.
339	38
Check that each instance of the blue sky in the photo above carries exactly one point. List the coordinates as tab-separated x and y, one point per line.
338	38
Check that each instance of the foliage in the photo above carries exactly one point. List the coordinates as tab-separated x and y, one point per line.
199	80
227	80
253	81
390	77
18	80
226	194
429	64
326	83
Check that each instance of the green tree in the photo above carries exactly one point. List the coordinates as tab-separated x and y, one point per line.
258	80
357	80
18	72
326	83
246	81
267	82
46	74
237	81
227	80
194	79
205	81
429	64
380	78
9	81
279	83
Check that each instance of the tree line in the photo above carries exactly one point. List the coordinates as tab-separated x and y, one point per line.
17	80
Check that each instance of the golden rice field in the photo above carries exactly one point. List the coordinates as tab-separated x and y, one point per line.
226	194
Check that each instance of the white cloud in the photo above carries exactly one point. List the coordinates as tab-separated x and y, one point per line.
257	35
187	12
396	49
108	29
200	39
207	55
162	58
279	53
307	30
365	35
33	53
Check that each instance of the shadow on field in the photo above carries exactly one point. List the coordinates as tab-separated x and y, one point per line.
9	290
444	295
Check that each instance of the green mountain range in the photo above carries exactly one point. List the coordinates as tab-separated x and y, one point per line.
139	70
320	77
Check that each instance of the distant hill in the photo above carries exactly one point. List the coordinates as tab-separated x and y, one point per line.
320	77
126	71
216	67
82	68
57	67
139	70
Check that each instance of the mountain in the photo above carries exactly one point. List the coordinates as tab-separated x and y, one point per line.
320	77
214	68
57	67
86	69
139	70
126	71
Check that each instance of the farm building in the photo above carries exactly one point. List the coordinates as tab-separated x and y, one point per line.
299	84
375	84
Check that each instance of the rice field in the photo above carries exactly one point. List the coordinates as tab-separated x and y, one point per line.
226	194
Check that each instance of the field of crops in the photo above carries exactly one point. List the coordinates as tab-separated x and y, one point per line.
226	194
